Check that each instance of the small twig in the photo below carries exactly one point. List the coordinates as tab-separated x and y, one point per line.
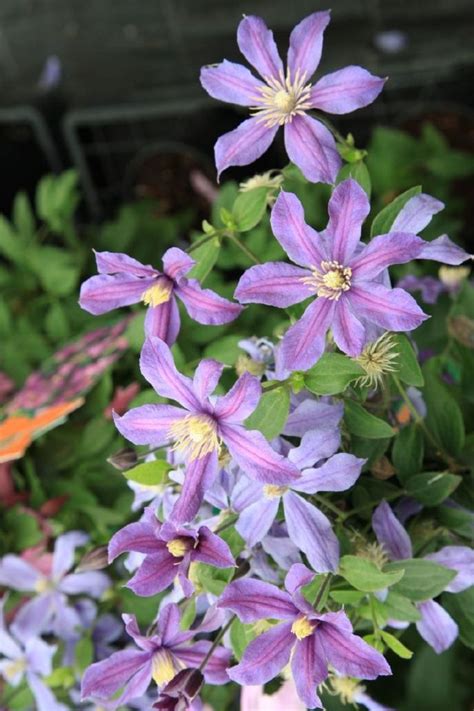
218	638
243	248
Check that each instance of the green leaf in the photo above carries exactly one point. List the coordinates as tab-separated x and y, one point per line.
407	363
135	332
408	450
96	436
56	323
386	217
188	613
346	597
398	607
271	414
205	257
395	645
359	172
431	488
23	217
212	580
444	418
423	579
84	654
149	473
363	424
11	246
22	528
249	208
332	374
363	575
56	269
461	608
312	589
63	677
225	349
240	637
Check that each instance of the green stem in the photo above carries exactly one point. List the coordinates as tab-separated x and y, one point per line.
321	500
365	507
322	591
374	617
216	642
330	126
200	242
243	248
227	524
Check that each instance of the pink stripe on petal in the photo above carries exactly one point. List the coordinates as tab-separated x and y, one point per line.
157	366
149	424
312	532
257	45
240	401
301	242
391	309
382	252
254	600
117	262
416	214
348	207
244	144
311	147
232	83
306	44
305	341
274	284
436	626
155	573
105	292
163	321
205	306
348	332
346	90
199	476
309	670
265	656
177	263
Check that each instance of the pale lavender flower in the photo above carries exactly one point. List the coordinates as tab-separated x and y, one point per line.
201	425
49	609
123	281
311	640
285	99
345	275
23	655
429	287
436	626
158	658
169	551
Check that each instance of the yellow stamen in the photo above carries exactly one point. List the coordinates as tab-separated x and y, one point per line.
272	180
272	491
245	364
282	99
157	294
163	667
330	280
344	687
195	436
377	358
375	552
12	670
453	276
178	547
302	627
42	585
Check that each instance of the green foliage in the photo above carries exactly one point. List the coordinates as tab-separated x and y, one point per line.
150	473
364	575
422	579
332	374
271	414
363	423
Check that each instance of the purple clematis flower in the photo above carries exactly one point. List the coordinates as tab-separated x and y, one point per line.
341	271
123	281
201	425
436	626
158	657
308	527
27	656
49	610
284	99
310	639
169	551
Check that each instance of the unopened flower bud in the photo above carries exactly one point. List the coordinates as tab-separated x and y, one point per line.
123	459
179	693
95	559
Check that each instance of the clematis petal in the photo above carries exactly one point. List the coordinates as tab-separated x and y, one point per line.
212	549
92	582
312	532
102	679
436	627
311	146
204	305
390	533
301	242
244	144
136	687
139	537
297	576
306	44
154	575
245	492
255	457
257	45
348	207
64	550
383	251
35	616
163	321
168	623
305	341
255	521
348	332
105	292
253	600
215	669
149	424
200	475
460	559
442	249
309	670
206	377
346	90
314	446
265	656
313	415
157	366
240	401
391	309
117	262
232	83
349	654
273	284
18	574
416	214
339	473
177	263
44	697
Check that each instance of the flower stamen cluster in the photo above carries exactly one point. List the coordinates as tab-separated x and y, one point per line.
282	99
195	436
330	280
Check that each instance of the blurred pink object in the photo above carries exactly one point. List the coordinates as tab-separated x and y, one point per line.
203	186
285	699
39	558
121	400
6	387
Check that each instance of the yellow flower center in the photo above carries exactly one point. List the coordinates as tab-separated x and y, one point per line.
282	99
302	627
376	359
157	294
453	276
195	436
12	670
330	280
163	667
178	547
345	687
245	364
43	585
272	491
